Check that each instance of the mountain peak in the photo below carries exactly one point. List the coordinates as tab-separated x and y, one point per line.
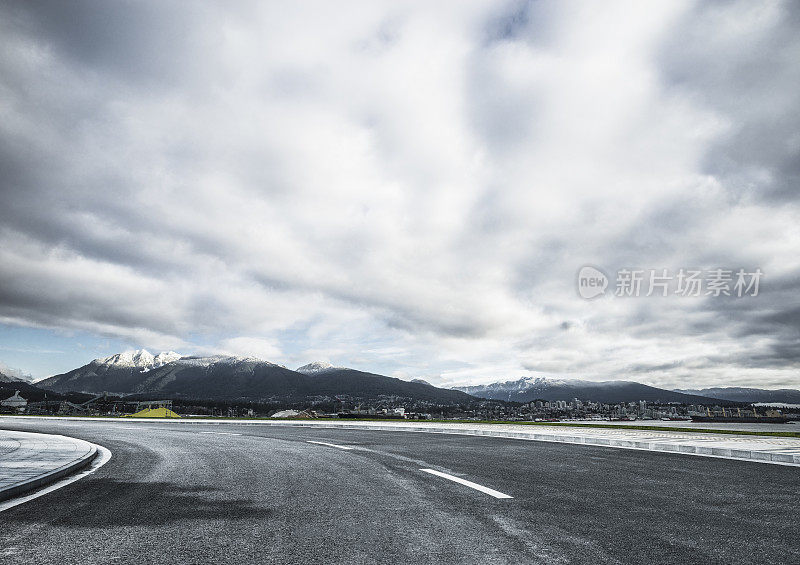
316	367
166	357
223	377
139	359
7	378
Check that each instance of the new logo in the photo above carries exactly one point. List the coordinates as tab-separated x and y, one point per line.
592	282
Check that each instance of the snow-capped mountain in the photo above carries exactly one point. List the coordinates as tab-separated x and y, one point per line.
8	379
505	390
219	377
140	371
139	359
316	368
9	374
207	360
222	377
526	389
117	373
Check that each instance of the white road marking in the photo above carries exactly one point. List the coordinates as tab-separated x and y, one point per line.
221	433
470	484
330	444
103	456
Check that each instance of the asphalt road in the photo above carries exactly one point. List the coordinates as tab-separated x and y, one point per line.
203	494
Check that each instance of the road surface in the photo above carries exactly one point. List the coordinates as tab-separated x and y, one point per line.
247	494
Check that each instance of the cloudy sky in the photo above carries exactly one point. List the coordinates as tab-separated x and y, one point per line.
403	187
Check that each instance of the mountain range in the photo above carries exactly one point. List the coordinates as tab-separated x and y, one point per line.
744	394
225	377
237	378
527	389
122	372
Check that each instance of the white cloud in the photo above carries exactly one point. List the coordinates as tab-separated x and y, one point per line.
406	188
250	347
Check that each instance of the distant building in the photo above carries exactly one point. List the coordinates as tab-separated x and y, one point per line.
14	403
286	414
294	414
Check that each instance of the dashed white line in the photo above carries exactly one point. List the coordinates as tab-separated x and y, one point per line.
330	444
470	484
221	433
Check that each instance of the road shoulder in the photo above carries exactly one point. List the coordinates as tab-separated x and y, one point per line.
33	460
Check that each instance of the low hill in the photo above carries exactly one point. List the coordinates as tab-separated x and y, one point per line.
332	381
33	393
743	394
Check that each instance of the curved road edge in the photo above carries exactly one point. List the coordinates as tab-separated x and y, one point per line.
33	464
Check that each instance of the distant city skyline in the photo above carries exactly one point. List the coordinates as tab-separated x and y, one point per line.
405	188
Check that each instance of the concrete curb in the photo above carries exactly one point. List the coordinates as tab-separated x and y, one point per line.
644	445
52	475
755	449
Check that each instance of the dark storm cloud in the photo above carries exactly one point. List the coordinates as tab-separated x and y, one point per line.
644	368
746	73
151	43
523	20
